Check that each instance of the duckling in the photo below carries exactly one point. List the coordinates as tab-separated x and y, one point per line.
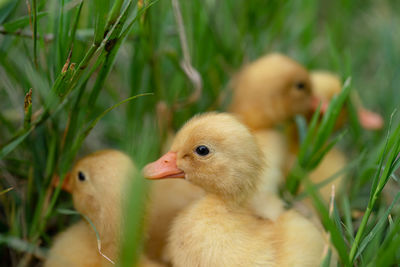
271	90
97	184
267	94
219	154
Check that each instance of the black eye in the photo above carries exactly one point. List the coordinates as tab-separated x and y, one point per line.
202	150
300	85
81	176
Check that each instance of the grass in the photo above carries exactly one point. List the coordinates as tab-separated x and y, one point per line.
80	58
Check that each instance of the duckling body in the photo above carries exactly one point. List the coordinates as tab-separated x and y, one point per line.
333	162
97	184
167	199
266	201
67	251
220	155
211	233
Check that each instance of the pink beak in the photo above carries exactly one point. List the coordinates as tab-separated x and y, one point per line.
369	120
66	185
315	101
164	167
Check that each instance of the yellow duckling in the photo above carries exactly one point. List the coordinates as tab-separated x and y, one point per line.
269	93
220	155
97	184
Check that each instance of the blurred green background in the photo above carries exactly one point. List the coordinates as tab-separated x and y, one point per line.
82	57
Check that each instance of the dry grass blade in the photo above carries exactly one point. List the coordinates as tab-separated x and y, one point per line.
186	64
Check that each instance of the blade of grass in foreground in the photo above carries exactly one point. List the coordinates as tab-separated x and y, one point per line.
388	250
316	144
329	224
377	227
133	232
382	175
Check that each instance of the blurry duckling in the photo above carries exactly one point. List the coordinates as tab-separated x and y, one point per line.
267	95
219	154
97	184
270	91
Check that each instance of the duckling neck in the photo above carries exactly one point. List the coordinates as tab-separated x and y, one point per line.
108	227
232	204
292	137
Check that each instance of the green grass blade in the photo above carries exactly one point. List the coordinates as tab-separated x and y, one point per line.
6	8
329	119
378	227
23	246
35	25
336	235
380	180
347	218
101	11
5	191
13	143
72	33
21	22
326	262
85	133
304	148
302	127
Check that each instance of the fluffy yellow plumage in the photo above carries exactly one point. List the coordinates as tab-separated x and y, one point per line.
220	155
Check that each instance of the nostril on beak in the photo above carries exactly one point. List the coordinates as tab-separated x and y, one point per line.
166	161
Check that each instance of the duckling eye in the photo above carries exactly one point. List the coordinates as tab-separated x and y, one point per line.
202	150
81	176
300	86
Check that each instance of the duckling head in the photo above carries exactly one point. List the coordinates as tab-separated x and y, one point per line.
325	85
96	183
216	152
271	90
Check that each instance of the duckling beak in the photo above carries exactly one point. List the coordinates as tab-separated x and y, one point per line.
369	120
164	167
315	102
66	186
